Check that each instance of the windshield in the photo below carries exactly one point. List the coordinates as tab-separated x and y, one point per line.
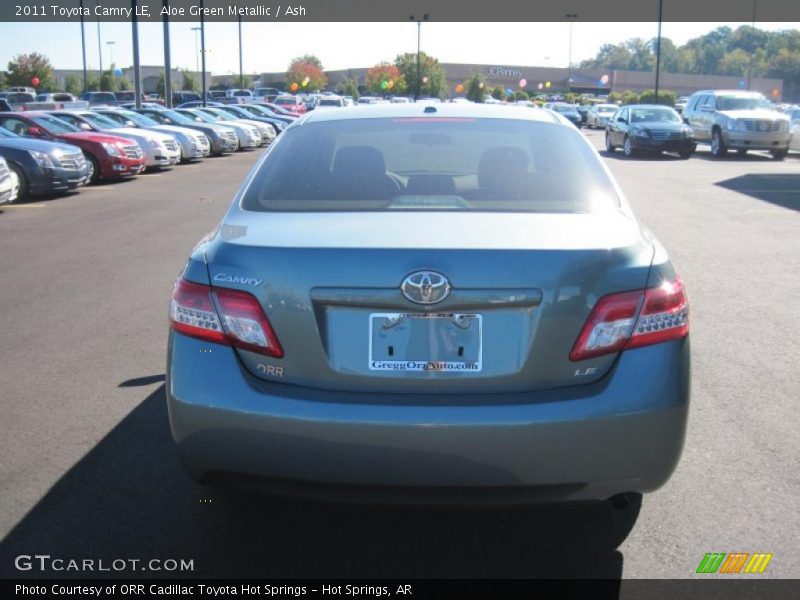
658	115
462	164
100	121
140	120
607	108
742	103
561	108
103	97
286	101
216	113
200	115
177	117
54	125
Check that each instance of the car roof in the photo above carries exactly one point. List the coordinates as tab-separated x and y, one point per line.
647	106
426	110
737	92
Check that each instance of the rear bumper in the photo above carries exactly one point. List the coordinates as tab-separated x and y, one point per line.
624	433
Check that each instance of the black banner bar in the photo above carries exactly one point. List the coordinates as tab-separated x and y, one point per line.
712	11
745	588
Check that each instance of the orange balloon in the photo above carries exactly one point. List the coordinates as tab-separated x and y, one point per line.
459	88
293	87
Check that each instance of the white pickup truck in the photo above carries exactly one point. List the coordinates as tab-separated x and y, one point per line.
21	101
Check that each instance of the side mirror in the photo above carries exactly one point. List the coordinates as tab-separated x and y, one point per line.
35	131
686	120
622	120
85	126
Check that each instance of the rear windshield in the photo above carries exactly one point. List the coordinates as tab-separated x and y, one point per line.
461	164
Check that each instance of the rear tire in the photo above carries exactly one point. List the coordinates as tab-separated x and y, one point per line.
718	147
779	154
24	187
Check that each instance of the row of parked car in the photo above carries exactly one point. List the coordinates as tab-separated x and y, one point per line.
47	152
724	119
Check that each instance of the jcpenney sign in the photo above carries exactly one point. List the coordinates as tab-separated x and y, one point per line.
504	72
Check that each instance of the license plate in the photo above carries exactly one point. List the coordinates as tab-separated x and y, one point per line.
444	342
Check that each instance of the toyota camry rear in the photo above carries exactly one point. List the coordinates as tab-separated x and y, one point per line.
444	303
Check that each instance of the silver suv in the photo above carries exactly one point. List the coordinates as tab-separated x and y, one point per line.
737	120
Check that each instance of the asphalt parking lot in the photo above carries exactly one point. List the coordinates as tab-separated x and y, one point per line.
87	466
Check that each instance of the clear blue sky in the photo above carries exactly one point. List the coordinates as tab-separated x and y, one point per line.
270	46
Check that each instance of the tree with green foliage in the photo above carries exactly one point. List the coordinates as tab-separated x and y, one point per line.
630	97
307	72
348	87
161	85
123	85
475	88
189	81
432	77
2	80
521	95
108	82
92	82
72	84
24	67
498	93
384	78
665	97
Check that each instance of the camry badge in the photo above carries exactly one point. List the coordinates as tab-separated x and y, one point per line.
425	287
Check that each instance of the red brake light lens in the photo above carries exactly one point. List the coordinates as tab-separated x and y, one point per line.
222	316
634	319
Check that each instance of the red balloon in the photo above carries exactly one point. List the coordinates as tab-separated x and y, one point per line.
35	81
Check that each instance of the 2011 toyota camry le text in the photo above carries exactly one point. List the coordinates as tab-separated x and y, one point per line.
438	303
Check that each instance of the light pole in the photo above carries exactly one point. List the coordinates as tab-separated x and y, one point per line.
83	48
658	47
750	63
241	72
419	39
203	48
197	48
110	45
571	17
99	43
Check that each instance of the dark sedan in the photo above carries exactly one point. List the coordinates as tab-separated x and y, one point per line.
649	128
568	111
43	167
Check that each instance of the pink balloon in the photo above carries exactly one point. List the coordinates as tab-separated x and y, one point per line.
523	83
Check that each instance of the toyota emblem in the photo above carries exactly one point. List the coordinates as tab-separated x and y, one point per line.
425	287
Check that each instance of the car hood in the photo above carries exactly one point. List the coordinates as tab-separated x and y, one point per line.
760	113
175	130
143	134
36	145
85	136
660	126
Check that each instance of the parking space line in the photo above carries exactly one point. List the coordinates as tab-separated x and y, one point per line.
5	206
93	188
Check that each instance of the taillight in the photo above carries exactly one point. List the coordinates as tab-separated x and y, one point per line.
634	319
222	316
